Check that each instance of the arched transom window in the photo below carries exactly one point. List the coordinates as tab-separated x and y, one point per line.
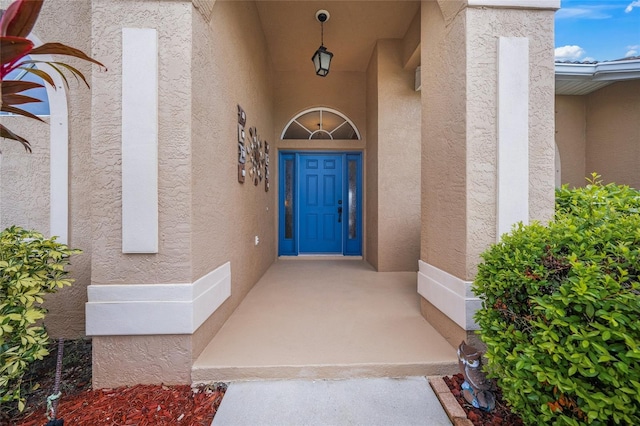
320	123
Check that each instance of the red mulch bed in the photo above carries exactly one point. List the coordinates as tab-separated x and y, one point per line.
139	405
501	415
80	405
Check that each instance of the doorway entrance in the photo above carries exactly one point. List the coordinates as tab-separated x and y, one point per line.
320	202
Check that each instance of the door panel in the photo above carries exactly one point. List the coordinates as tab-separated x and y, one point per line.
311	186
320	202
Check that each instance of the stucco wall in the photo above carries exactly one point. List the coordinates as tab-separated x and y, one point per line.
484	27
230	67
294	92
599	132
127	360
371	163
571	138
66	308
24	178
399	145
443	176
172	264
613	133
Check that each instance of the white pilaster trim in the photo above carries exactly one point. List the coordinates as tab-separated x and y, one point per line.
518	4
153	309
513	133
139	140
58	149
450	294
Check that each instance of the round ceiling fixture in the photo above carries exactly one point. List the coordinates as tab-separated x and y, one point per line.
322	16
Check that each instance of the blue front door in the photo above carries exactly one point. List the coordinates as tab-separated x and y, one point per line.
320	203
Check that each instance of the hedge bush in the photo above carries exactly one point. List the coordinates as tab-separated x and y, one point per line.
30	267
561	310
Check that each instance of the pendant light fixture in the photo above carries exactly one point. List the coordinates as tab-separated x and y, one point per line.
322	57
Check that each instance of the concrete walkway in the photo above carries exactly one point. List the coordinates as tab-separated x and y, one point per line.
326	319
370	402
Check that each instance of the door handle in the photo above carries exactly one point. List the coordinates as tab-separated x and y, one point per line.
339	214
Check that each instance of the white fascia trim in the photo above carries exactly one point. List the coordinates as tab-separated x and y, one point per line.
152	309
603	71
450	294
519	4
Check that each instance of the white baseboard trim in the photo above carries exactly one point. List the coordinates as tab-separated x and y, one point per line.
451	295
151	309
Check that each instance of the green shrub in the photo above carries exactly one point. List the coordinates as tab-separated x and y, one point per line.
561	310
30	267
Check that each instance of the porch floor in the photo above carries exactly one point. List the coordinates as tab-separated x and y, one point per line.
326	319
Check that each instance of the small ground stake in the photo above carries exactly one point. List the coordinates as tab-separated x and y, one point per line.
54	399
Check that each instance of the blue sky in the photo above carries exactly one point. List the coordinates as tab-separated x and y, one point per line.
600	30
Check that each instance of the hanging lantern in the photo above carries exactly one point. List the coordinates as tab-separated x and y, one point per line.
322	57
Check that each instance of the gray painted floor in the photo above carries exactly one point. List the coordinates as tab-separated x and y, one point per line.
370	402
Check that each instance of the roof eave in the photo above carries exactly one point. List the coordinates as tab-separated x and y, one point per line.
603	71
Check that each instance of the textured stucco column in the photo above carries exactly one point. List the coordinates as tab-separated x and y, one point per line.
117	358
463	127
153	310
393	166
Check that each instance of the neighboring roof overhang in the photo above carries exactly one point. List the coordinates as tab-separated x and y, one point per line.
581	79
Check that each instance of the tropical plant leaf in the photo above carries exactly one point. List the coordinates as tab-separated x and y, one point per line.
8	134
6	16
18	111
17	86
12	49
62	49
17	99
64	77
42	74
76	72
22	18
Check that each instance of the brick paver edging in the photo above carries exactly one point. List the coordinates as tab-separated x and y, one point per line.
455	412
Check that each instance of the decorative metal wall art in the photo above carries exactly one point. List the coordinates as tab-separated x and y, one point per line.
266	166
253	157
242	152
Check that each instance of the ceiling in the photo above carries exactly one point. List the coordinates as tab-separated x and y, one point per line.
293	34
